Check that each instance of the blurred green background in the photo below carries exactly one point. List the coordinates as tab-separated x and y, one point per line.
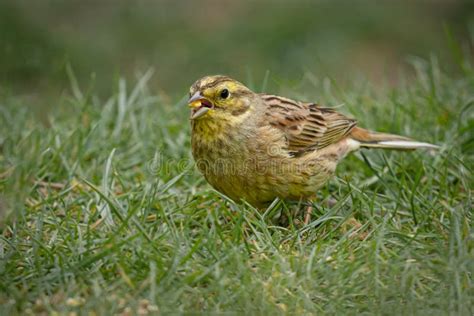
184	40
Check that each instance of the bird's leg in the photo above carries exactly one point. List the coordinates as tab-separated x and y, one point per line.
307	215
309	210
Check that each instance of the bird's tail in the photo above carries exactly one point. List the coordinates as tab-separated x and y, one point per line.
369	139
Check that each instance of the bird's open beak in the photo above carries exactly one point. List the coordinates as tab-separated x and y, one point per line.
199	105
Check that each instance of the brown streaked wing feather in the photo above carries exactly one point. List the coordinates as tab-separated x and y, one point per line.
306	125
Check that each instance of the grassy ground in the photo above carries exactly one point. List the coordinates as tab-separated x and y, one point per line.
196	37
106	212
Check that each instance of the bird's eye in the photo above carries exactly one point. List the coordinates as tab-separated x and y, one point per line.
224	94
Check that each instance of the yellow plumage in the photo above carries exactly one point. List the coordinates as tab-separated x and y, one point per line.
257	147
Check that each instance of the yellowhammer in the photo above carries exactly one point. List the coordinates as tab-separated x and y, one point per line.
257	147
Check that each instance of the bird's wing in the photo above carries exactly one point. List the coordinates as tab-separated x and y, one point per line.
306	126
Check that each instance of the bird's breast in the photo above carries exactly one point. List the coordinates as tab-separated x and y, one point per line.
239	163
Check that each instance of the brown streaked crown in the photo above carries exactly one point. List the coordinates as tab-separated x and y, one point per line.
208	82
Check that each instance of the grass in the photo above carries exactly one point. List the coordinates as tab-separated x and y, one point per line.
106	213
333	37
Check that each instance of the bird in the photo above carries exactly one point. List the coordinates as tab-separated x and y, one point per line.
256	147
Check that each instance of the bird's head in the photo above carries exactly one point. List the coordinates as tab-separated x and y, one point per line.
218	98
